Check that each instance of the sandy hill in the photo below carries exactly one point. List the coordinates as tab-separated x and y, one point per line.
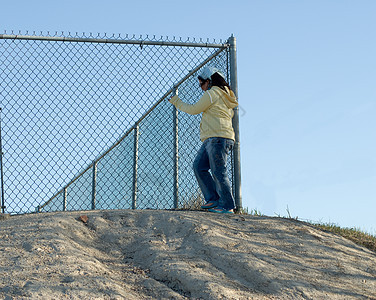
151	254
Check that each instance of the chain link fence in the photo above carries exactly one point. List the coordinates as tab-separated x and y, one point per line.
86	124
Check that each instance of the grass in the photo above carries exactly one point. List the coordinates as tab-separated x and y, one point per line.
355	235
194	201
245	211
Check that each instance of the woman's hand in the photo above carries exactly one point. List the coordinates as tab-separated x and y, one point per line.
175	92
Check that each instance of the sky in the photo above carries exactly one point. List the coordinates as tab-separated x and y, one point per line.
306	82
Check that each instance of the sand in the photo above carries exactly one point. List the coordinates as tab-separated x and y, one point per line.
155	254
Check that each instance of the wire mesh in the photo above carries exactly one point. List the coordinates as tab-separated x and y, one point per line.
70	110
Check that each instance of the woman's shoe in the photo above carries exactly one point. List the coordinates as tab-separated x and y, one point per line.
210	204
221	210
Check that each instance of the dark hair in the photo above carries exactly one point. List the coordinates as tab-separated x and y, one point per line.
218	80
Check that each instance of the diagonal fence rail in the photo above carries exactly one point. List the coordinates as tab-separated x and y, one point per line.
86	124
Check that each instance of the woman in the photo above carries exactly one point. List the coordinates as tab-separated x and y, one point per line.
217	135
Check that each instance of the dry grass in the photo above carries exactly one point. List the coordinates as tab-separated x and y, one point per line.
355	235
193	202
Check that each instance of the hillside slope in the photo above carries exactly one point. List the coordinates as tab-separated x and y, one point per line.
146	254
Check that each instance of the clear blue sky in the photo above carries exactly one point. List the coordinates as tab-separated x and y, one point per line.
307	89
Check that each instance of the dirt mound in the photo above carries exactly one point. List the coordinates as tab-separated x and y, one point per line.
144	254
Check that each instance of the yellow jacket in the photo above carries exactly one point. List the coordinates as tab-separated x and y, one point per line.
217	108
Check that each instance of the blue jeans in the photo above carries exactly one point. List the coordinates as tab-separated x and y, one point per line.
215	186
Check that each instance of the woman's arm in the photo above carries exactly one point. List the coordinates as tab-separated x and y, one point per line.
193	109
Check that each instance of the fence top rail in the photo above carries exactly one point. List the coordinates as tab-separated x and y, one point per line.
113	41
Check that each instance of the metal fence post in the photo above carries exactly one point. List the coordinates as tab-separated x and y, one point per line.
1	170
135	166
176	156
94	186
65	192
235	122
